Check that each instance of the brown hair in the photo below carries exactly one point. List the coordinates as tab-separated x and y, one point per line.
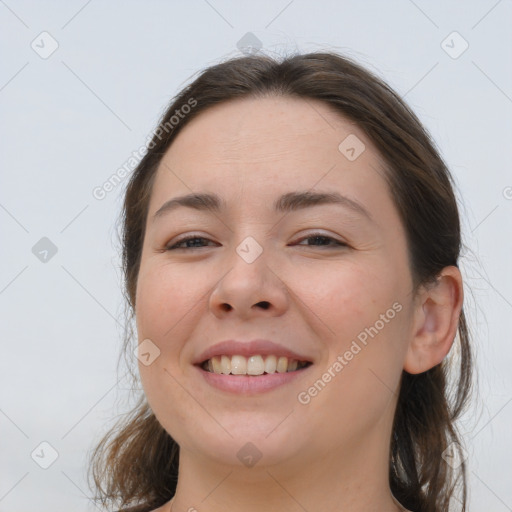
137	460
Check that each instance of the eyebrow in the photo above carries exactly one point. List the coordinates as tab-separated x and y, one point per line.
291	201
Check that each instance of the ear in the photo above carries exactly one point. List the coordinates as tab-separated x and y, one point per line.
436	318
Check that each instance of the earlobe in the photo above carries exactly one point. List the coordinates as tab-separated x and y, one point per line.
436	319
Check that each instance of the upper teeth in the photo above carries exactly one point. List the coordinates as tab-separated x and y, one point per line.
254	365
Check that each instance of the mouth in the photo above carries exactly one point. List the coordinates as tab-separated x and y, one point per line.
252	366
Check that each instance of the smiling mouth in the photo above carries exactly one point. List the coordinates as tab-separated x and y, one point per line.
252	366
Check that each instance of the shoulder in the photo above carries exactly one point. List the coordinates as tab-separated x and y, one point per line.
146	508
164	508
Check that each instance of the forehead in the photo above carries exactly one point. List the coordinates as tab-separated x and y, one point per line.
256	129
270	145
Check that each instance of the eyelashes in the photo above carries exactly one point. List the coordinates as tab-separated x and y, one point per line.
184	240
313	236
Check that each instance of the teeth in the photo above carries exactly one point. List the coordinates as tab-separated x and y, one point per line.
238	365
225	364
282	364
270	364
216	365
254	365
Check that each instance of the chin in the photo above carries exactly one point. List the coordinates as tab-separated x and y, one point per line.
248	452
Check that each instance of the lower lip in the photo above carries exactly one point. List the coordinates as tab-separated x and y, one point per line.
250	385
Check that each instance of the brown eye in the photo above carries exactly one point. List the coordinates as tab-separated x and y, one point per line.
320	237
178	245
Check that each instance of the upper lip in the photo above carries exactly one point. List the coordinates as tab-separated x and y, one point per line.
249	348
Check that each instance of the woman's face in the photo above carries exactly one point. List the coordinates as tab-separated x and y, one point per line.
323	280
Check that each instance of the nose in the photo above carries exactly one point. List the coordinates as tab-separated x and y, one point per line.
249	290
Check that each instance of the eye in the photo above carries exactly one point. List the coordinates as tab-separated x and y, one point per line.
321	237
316	237
178	245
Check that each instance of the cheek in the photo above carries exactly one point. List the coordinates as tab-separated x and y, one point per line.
164	296
163	301
357	386
363	315
349	298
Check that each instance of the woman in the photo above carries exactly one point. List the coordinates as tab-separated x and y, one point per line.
290	249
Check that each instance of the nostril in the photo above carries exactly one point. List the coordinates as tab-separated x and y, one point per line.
265	304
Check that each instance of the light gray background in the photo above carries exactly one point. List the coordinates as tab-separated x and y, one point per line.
69	121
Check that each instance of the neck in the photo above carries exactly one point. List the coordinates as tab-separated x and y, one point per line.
354	479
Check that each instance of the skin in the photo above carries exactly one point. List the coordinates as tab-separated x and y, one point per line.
332	453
